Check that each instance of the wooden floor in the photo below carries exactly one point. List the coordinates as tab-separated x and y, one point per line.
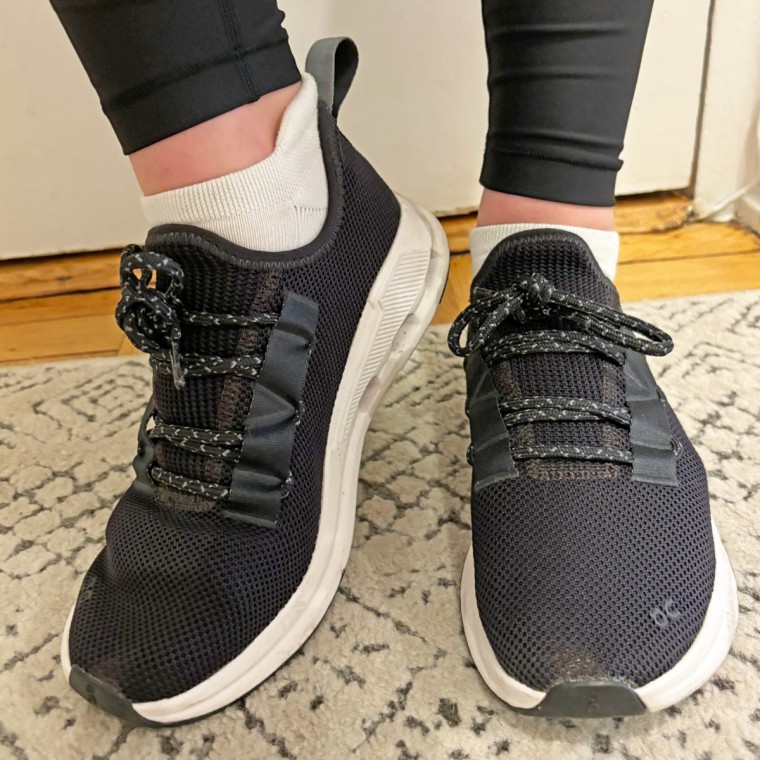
62	307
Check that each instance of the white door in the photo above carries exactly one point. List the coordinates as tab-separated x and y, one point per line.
418	111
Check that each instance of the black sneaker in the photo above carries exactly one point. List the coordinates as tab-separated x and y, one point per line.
224	554
596	584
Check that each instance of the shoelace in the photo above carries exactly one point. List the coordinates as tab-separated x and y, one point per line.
583	326
152	319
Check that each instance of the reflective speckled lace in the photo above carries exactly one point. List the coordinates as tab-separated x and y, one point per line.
152	319
583	326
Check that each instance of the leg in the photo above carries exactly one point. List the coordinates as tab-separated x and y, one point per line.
162	67
196	93
223	555
596	585
561	82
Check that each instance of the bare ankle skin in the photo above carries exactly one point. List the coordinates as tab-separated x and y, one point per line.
228	143
503	208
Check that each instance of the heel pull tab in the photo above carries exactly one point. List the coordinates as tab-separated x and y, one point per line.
333	62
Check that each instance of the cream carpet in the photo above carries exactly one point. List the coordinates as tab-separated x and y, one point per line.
387	674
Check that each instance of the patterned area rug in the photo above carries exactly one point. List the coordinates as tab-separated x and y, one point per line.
387	674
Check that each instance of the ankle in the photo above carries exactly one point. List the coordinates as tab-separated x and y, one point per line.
276	204
225	144
504	208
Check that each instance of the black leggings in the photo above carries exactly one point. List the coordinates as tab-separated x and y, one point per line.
561	78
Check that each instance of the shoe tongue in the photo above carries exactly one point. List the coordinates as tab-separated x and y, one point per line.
563	258
221	402
569	266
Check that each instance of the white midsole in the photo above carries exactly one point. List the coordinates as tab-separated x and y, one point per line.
399	308
692	671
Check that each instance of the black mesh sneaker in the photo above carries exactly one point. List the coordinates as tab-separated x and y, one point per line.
224	554
596	584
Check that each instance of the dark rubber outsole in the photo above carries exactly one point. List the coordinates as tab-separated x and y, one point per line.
587	699
107	698
590	699
111	700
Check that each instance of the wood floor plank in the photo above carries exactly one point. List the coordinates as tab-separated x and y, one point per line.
97	271
59	337
457	293
56	275
457	229
69	306
686	277
59	358
691	241
654	212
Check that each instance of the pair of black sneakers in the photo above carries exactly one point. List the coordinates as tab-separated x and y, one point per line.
596	583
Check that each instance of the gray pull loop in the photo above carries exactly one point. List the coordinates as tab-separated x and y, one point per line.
333	62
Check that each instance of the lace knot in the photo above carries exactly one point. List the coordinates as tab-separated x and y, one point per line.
538	291
151	317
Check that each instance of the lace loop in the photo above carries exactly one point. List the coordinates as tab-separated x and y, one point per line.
535	297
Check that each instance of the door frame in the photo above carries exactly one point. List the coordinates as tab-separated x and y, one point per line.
727	160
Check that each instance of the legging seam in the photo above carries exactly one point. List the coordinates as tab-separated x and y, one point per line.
231	29
548	157
145	89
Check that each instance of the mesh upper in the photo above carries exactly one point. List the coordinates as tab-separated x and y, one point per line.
179	590
572	558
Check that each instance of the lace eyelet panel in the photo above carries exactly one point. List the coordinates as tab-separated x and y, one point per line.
152	317
575	325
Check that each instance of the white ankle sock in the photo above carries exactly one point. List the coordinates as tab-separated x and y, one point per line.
276	205
605	245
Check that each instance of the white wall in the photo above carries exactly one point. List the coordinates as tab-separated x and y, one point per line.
64	184
418	111
662	131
